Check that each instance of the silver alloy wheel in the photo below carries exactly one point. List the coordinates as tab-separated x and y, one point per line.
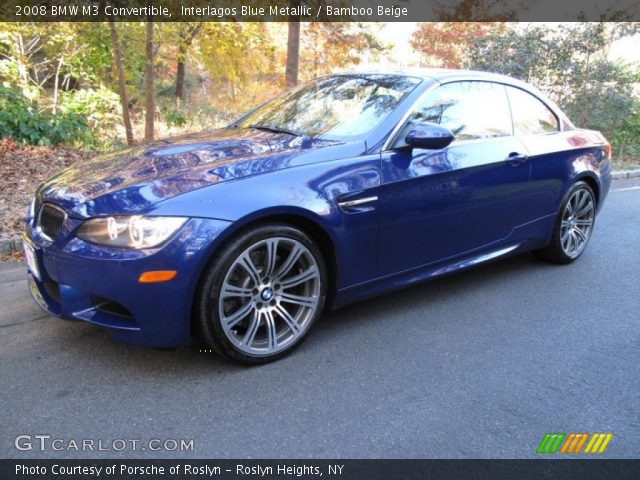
577	222
269	296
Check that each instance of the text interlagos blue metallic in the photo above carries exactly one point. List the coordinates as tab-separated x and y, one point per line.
343	188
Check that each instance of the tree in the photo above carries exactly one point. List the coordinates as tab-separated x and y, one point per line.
148	86
122	90
293	53
446	44
187	34
569	63
111	70
328	46
239	58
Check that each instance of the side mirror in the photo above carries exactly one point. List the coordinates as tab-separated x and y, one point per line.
429	136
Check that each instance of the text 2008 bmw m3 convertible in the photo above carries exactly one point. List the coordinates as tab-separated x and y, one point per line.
346	187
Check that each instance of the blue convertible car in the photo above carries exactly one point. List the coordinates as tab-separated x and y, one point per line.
343	188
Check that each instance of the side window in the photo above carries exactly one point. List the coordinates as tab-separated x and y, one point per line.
530	115
471	110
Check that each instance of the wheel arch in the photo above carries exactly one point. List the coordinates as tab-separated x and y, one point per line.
298	218
591	180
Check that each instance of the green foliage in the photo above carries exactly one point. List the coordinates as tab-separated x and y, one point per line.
569	63
98	106
81	119
174	117
60	81
625	139
97	109
92	63
605	99
69	128
20	120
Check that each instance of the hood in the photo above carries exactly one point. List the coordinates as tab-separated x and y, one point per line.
137	177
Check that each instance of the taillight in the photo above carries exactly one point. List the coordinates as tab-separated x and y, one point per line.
607	150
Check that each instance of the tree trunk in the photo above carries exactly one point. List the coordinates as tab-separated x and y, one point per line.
293	54
56	85
186	39
124	101
180	72
148	86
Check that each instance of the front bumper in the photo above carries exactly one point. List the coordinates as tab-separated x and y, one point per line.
99	285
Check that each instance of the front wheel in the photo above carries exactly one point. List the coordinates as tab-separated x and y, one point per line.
261	295
573	227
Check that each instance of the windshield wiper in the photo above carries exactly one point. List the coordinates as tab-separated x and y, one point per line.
277	130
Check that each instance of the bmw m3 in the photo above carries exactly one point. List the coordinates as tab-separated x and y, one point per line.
340	189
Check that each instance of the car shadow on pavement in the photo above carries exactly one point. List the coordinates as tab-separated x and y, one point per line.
448	288
195	359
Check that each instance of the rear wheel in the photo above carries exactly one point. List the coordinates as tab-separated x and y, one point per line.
573	227
260	297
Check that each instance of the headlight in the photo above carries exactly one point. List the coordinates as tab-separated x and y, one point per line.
130	231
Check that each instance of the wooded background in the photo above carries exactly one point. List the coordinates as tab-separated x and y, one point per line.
96	86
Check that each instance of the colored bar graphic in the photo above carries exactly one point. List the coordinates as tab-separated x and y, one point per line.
606	442
598	442
573	442
581	443
569	443
543	443
550	443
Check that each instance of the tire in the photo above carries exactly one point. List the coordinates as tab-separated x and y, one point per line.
261	294
573	226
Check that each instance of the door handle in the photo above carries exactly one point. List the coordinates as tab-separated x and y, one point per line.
515	158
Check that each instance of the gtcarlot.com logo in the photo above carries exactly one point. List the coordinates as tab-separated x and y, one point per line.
47	442
574	443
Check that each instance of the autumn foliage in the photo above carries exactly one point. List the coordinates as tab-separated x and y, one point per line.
446	44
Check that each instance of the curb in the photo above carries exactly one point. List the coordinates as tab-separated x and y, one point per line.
8	245
621	174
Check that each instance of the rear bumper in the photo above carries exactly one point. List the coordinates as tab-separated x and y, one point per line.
99	285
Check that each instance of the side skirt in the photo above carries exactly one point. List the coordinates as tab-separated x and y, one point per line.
526	237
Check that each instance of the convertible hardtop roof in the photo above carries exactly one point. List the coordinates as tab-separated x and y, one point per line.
445	74
438	74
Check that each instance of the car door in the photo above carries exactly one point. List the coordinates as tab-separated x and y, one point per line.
550	149
438	204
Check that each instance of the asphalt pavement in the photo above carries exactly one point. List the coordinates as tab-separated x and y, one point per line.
479	364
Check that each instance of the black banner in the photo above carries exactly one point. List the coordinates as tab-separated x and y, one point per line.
318	10
313	469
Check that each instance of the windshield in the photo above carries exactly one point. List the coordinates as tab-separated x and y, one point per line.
334	108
